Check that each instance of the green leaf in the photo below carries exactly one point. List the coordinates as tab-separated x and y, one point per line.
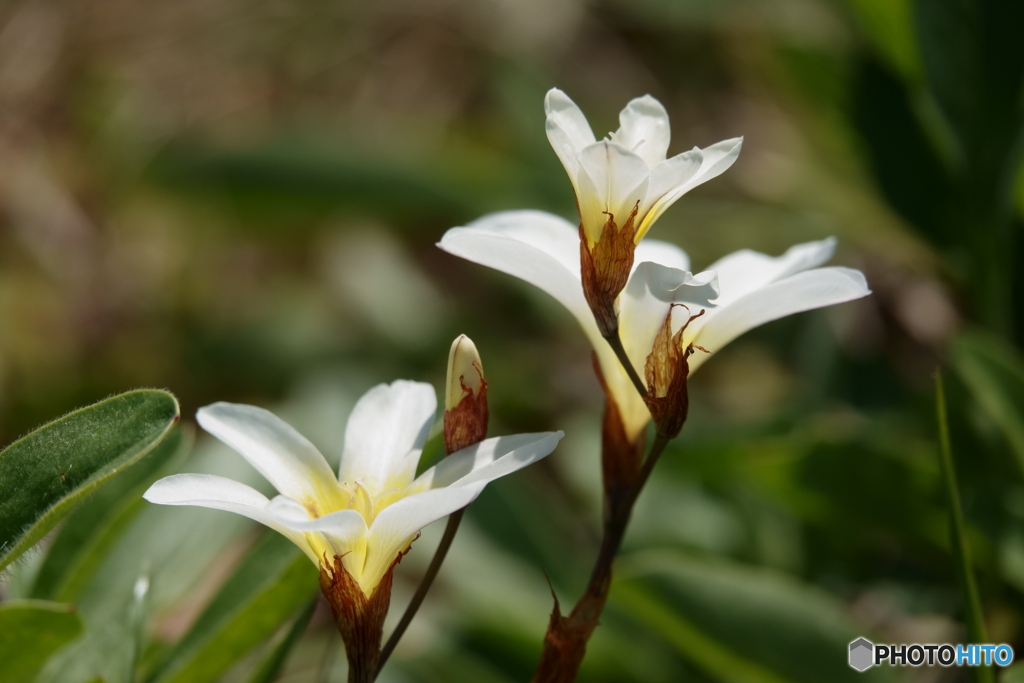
87	536
739	623
994	373
268	669
273	581
31	631
47	472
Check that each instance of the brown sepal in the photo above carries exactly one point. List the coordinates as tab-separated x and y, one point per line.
620	458
565	642
604	269
666	371
359	618
466	423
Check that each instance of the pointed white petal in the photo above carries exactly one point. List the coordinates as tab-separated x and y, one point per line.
567	129
662	253
286	458
488	460
612	180
644	129
794	294
715	160
746	271
668	182
221	493
534	246
397	525
385	435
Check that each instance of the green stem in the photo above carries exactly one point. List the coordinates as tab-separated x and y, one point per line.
620	352
958	535
414	605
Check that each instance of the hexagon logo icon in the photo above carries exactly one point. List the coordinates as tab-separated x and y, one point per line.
862	653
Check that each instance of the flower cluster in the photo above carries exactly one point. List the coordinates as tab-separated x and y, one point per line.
638	302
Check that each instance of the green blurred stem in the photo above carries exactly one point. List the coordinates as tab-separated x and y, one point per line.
414	605
616	343
958	535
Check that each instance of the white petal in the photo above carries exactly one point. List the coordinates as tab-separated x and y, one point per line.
611	179
534	246
567	129
221	493
488	460
662	253
649	295
342	532
470	469
715	160
286	458
667	180
746	271
397	525
644	129
385	435
801	292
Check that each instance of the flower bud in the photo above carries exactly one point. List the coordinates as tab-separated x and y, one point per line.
465	401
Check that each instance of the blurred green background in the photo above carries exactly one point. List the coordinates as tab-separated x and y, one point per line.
238	200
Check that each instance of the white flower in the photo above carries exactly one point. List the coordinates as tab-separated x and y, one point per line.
739	292
374	508
628	169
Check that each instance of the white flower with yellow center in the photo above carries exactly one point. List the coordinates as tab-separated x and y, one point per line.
628	169
371	512
738	293
623	184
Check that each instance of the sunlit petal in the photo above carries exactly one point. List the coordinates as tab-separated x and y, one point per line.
221	493
567	129
385	435
286	458
794	294
644	129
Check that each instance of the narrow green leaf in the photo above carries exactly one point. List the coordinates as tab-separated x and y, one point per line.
268	669
958	535
44	474
741	624
273	581
994	373
31	631
87	536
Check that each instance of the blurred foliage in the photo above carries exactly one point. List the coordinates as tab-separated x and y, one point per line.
238	200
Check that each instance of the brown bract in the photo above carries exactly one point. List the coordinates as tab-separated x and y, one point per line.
666	372
604	269
359	617
466	423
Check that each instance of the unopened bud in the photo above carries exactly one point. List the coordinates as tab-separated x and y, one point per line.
465	400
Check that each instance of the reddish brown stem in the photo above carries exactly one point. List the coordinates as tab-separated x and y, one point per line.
565	642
